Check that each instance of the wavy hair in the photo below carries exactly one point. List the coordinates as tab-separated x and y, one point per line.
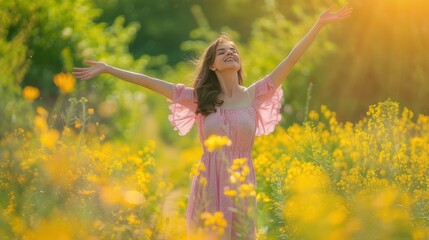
206	85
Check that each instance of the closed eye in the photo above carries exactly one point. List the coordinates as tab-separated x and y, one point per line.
221	51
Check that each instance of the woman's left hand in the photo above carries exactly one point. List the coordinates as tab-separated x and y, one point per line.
329	16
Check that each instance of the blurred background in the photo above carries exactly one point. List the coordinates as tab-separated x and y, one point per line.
379	53
70	148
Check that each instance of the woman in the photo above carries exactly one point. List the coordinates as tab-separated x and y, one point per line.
220	105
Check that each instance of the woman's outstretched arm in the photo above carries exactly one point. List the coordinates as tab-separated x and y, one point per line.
328	16
97	68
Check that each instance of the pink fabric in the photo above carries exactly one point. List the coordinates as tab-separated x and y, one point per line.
268	104
239	125
182	109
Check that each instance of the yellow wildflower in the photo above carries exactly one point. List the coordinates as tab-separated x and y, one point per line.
313	115
201	167
30	93
229	192
42	112
238	162
232	179
41	124
110	195
197	169
215	222
65	82
133	220
49	138
86	192
245	172
148	233
90	111
262	197
247	190
77	124
60	227
215	142
18	224
102	137
203	181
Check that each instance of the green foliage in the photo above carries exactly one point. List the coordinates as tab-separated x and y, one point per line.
352	64
13	66
42	38
349	67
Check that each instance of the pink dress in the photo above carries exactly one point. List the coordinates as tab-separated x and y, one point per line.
239	125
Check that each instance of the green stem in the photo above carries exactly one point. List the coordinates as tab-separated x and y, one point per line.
56	109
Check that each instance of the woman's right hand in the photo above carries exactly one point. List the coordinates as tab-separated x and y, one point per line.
93	71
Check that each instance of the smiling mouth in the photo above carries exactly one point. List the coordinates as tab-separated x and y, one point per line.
230	59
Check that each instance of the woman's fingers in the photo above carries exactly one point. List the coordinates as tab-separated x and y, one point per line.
331	8
79	69
89	62
86	77
82	73
348	10
344	7
90	72
347	13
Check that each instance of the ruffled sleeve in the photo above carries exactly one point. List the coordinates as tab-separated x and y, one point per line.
182	108
267	103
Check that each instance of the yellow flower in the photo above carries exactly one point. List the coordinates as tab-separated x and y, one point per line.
215	222
30	93
201	167
102	137
42	112
197	169
247	190
238	162
313	115
65	82
245	172
215	142
148	233
133	220
77	124
61	227
90	111
49	138
41	124
229	192
110	195
86	192
203	181
233	178
18	224
263	197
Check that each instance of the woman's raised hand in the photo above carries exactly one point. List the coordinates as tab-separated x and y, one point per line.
329	16
94	70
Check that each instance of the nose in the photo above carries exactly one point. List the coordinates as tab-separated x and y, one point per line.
229	52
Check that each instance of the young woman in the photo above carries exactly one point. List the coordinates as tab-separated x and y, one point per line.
220	105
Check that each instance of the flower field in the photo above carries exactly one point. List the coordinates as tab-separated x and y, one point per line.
99	159
319	180
331	180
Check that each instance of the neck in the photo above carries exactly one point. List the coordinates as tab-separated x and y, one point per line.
228	82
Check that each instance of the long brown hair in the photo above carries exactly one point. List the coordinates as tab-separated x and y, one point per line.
206	85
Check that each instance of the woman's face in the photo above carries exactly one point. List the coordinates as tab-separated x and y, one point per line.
226	58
